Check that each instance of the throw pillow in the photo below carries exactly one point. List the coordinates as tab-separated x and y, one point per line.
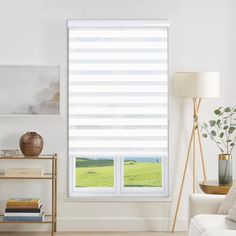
228	201
232	214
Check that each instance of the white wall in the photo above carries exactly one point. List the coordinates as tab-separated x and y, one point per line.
202	37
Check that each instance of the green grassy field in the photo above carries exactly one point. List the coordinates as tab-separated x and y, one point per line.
99	173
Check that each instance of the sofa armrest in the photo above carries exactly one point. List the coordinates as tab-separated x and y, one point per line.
204	204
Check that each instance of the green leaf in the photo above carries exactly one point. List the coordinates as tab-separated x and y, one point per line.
204	135
231	130
205	125
228	141
225	127
217	112
212	123
213	133
227	109
232	144
221	135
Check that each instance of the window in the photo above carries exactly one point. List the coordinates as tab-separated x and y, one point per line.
118	108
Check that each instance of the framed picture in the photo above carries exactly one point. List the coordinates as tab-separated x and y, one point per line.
29	90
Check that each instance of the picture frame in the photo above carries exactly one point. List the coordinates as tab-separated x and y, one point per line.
41	98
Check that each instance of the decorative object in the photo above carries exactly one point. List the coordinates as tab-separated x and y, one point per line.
221	130
50	214
195	85
228	202
9	152
213	187
31	144
29	90
225	169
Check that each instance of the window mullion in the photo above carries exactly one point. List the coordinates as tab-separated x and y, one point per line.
118	175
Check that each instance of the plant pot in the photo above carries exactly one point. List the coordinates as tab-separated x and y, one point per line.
31	144
225	169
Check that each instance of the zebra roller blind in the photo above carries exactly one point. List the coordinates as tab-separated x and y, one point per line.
118	88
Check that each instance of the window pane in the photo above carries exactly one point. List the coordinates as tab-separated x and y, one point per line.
94	172
142	172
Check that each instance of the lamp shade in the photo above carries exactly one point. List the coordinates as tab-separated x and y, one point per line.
197	84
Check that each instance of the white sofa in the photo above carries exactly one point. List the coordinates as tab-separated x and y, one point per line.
203	220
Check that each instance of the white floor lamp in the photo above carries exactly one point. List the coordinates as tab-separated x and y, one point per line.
195	85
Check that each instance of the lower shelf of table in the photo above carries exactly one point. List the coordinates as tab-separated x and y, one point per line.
48	220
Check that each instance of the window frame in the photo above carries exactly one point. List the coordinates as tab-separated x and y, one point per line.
121	192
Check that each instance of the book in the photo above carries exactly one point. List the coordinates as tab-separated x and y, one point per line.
23	200
23	218
32	210
27	203
23	214
22	206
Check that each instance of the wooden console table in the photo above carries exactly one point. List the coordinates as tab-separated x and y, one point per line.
52	176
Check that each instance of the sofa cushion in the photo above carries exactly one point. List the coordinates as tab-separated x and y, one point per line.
228	201
219	233
202	223
232	214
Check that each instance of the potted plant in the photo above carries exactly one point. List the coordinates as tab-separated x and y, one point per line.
222	131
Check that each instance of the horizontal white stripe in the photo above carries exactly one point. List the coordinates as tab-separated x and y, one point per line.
118	50
125	153
121	110
117	61
118	149
118	144
126	127
111	116
115	45
117	56
115	94
118	138
134	99
120	66
117	121
140	105
121	78
118	33
116	39
117	83
117	88
117	132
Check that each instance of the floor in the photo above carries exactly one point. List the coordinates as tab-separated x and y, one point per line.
99	234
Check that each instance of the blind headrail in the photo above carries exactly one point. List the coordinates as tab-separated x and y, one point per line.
117	23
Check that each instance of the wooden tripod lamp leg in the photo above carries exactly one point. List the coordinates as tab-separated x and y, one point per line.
194	142
182	183
195	134
199	140
201	154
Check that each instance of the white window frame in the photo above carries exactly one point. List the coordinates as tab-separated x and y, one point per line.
119	190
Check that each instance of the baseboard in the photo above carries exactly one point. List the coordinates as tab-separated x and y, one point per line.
102	225
120	224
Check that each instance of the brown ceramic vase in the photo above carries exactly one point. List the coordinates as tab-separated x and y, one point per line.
31	144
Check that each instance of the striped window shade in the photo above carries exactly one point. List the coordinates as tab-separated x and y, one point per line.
118	88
